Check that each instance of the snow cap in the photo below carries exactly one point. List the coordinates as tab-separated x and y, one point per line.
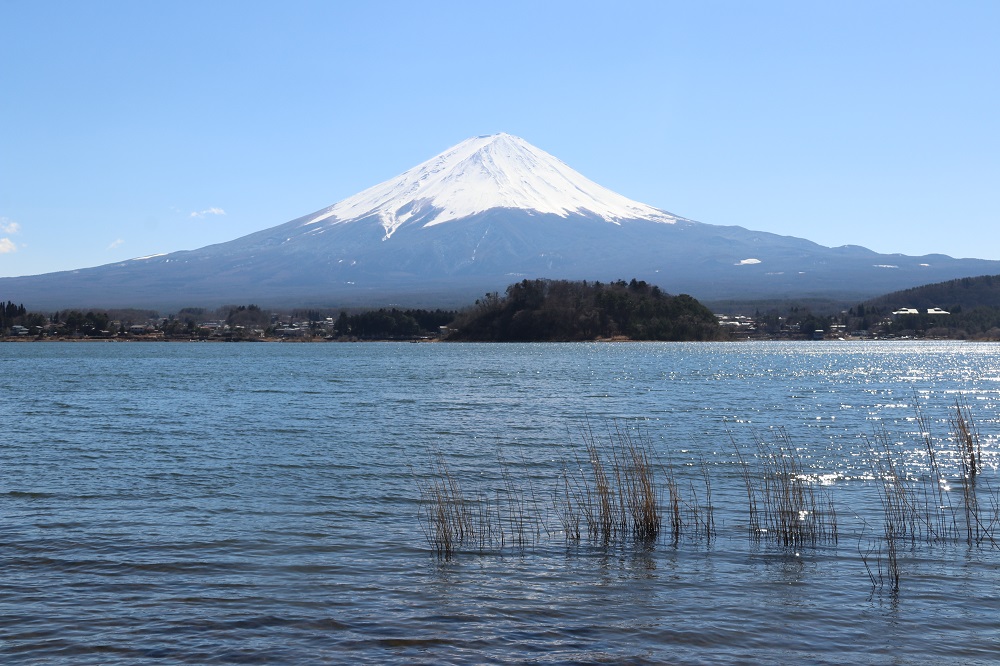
482	173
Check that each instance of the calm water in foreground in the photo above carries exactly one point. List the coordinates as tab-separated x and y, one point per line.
212	503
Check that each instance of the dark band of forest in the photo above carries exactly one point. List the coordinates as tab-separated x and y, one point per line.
548	310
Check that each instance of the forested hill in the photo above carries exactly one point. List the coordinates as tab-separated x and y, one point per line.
552	310
964	293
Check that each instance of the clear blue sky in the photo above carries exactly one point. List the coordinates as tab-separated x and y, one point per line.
133	128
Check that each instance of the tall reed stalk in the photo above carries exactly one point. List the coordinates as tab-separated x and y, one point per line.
980	523
447	518
785	504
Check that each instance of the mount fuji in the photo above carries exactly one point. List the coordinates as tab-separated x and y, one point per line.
490	211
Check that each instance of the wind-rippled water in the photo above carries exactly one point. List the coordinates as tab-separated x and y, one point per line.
210	503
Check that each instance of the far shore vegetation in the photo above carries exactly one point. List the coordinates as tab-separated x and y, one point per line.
560	310
548	310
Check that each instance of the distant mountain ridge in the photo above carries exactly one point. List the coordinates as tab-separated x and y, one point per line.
488	212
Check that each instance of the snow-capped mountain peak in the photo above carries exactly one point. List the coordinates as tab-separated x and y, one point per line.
482	173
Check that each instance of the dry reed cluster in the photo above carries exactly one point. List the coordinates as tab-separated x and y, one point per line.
451	521
785	504
620	493
615	491
918	507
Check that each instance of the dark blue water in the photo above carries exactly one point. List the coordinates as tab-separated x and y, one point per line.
210	503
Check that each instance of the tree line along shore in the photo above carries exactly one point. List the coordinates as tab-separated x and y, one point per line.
535	310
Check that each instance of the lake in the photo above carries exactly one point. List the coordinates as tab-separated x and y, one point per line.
199	503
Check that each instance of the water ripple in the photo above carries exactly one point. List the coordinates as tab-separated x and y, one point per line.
258	503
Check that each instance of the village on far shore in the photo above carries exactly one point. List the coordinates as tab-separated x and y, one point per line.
199	324
549	310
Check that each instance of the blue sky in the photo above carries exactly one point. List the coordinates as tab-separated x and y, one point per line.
134	128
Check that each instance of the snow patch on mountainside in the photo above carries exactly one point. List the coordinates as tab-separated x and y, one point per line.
479	174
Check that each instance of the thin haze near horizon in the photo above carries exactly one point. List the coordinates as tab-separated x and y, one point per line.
141	128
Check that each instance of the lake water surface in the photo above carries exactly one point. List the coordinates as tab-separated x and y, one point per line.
259	503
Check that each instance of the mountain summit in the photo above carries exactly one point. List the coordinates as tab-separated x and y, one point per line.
498	171
488	212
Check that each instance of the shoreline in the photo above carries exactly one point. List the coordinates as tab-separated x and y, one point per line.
617	339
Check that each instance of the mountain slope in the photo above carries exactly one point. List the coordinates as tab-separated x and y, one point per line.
486	213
